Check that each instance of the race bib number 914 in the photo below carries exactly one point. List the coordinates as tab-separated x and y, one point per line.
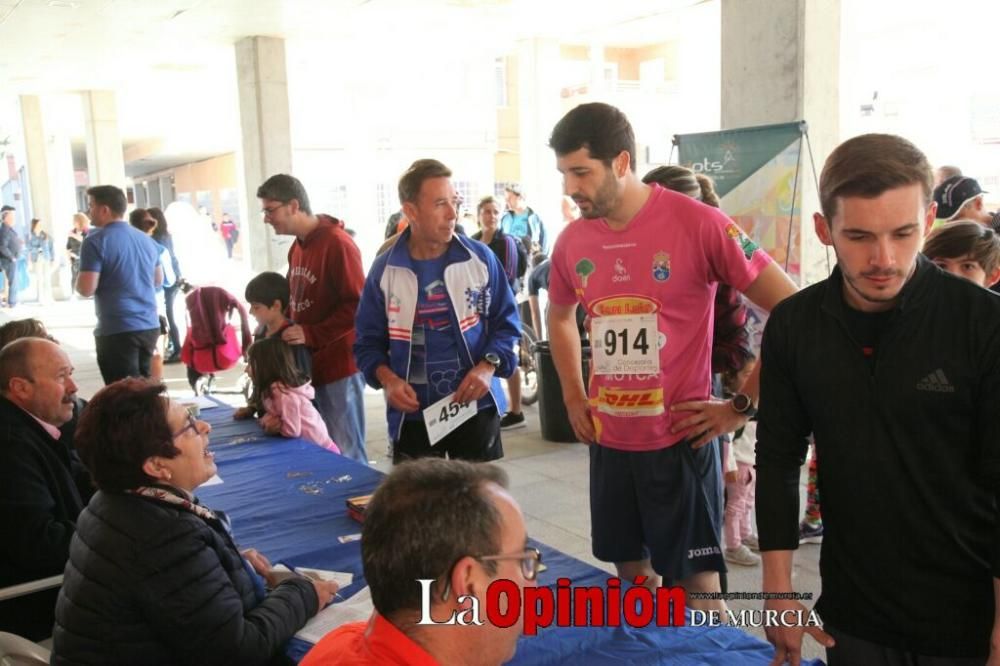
625	345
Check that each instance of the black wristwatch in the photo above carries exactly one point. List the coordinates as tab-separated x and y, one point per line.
493	360
743	404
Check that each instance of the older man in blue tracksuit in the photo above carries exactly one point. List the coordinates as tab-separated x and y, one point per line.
437	320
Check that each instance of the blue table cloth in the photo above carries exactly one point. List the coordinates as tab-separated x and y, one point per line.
286	498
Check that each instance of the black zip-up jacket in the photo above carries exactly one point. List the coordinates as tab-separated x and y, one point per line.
908	453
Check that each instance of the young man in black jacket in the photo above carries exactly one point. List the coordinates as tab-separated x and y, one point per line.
894	366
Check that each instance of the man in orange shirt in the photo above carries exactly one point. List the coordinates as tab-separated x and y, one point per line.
446	521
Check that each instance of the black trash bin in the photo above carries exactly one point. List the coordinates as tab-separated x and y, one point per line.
551	410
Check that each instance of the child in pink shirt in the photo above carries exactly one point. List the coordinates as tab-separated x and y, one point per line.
285	394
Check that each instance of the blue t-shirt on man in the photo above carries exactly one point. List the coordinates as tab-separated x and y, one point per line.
127	259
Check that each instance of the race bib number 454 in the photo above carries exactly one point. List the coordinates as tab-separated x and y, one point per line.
445	415
625	345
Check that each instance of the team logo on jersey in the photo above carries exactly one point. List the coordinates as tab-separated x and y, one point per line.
621	273
585	268
661	266
630	402
748	246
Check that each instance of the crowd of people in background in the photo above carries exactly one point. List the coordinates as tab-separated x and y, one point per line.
881	376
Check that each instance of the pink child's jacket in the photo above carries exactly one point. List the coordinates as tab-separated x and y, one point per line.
298	416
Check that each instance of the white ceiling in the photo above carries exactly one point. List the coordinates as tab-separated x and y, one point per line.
172	61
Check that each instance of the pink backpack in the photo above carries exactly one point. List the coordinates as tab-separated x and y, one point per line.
211	345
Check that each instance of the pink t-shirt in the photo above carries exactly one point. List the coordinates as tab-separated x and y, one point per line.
662	269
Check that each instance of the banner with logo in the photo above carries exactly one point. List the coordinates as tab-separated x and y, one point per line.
757	173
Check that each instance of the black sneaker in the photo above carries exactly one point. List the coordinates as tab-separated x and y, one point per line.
810	533
510	421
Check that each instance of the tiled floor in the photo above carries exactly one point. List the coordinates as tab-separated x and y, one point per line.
549	480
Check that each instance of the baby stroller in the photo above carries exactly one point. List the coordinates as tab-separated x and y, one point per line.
210	345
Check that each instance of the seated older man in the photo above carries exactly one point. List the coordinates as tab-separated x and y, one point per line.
449	521
39	494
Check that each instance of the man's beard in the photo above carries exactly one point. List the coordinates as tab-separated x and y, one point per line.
605	200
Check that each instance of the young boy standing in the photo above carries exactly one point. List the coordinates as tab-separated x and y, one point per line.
268	296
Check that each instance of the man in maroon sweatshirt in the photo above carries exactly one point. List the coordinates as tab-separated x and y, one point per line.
325	278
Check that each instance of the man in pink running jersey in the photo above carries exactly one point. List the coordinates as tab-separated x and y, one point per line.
645	262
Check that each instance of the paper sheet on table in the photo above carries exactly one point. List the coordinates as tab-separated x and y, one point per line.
342	579
214	481
203	402
356	609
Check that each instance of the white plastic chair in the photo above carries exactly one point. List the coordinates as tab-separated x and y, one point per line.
17	651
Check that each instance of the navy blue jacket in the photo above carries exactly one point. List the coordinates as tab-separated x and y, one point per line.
149	582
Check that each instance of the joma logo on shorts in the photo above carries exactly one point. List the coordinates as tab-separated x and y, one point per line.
703	552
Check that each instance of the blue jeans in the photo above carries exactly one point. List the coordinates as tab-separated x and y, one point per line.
169	294
342	406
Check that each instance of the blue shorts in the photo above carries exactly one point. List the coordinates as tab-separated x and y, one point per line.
664	504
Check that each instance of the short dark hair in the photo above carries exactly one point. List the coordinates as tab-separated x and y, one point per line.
965	237
267	288
427	515
124	424
869	165
413	178
284	188
600	128
139	219
110	196
488	199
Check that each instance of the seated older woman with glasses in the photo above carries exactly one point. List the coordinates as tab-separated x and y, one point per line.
153	576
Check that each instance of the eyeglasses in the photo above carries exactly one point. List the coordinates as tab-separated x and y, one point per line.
267	212
192	424
531	561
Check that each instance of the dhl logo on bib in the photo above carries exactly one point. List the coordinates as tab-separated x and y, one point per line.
630	402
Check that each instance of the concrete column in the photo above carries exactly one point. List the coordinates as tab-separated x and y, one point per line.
105	159
262	82
153	195
51	181
141	200
166	192
540	108
780	63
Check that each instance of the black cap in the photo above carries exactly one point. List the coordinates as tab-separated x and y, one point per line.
954	193
6	208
